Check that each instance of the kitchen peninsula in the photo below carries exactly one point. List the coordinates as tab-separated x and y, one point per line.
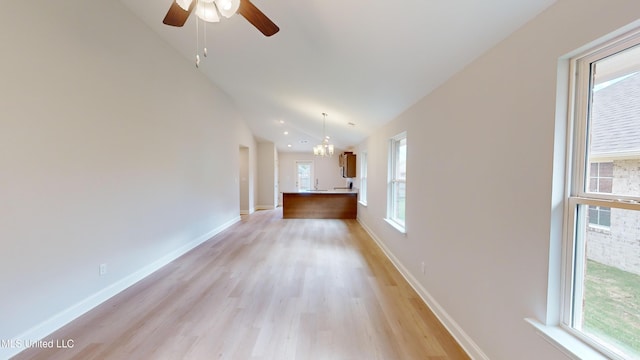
320	204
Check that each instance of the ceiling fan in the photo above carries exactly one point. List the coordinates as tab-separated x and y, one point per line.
208	10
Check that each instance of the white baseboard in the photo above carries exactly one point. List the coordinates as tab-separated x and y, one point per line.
64	317
467	344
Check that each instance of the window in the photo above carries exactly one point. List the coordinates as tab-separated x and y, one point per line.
396	196
601	177
304	175
602	268
600	216
600	180
363	178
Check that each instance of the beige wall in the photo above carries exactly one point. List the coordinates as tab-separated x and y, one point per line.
482	212
267	170
114	150
245	180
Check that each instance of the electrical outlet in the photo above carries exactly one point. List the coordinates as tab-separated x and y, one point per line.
424	268
103	269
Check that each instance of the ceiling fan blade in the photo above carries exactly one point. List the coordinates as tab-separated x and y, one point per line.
177	16
257	18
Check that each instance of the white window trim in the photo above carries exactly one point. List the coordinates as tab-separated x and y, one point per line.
402	230
578	194
390	180
552	327
565	341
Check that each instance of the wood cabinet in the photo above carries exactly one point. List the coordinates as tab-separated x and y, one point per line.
348	164
320	205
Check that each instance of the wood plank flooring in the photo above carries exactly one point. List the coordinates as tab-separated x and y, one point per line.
266	288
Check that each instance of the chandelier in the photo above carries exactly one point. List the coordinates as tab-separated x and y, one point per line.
324	148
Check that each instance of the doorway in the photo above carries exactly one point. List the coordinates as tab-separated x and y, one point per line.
304	175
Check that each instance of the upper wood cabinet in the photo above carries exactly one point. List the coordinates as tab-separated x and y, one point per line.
348	164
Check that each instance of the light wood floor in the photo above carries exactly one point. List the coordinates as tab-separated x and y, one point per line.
267	288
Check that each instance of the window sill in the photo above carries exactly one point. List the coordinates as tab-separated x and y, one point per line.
396	226
571	346
600	228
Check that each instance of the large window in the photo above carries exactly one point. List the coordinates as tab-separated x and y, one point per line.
363	178
396	196
602	227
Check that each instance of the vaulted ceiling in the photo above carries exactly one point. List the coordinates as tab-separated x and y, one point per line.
362	62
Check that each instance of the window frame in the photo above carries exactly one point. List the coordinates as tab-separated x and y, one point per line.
578	198
393	182
362	193
597	223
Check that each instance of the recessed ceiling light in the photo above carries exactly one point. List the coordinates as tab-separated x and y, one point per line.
286	133
289	145
281	121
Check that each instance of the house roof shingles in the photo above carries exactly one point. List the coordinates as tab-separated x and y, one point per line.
615	119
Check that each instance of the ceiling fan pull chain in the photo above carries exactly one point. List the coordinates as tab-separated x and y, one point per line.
197	42
204	52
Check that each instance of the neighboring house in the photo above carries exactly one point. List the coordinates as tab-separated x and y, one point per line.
613	234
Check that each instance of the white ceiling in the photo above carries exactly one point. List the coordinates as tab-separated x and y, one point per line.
360	61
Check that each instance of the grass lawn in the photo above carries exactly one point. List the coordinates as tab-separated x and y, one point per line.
612	305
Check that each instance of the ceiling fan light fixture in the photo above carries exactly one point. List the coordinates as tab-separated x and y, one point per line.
180	10
184	4
207	11
228	7
224	4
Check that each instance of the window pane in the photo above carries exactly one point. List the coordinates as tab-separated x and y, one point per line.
605	217
593	215
400	199
601	177
303	171
605	185
363	177
401	159
614	129
605	169
609	308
